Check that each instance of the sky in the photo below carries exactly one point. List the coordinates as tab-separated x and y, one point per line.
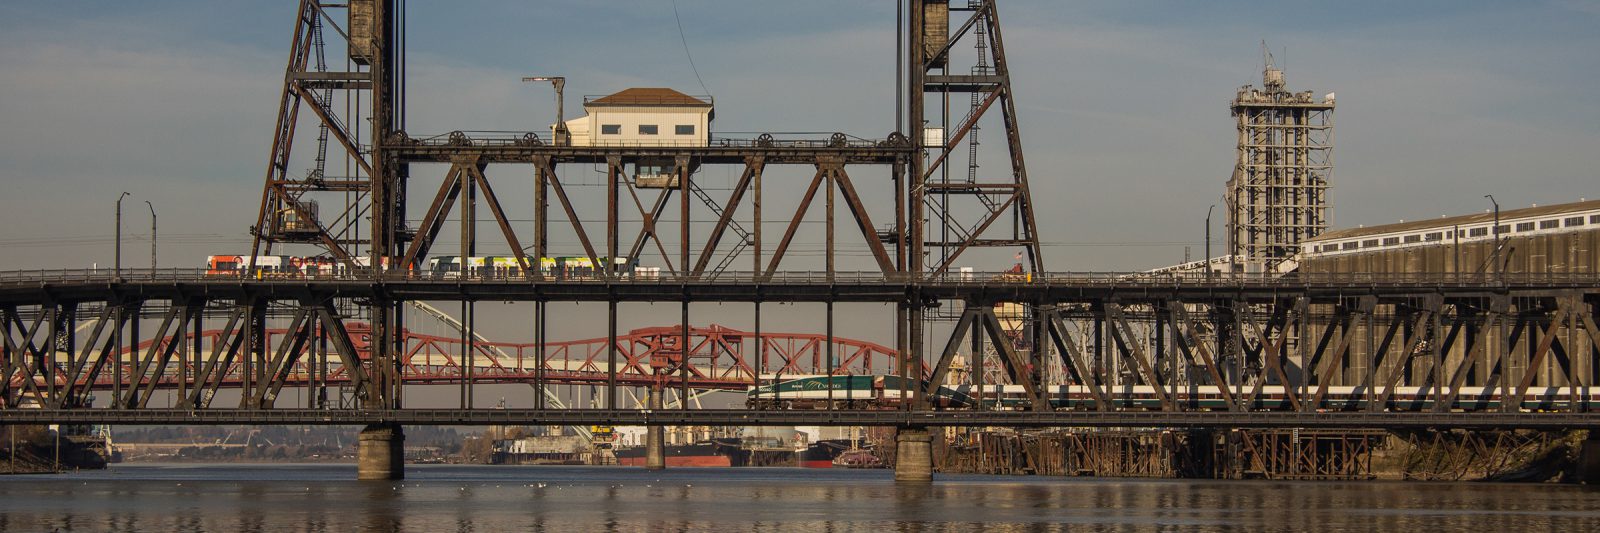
1123	109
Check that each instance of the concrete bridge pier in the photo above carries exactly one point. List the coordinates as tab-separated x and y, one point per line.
381	453
655	442
1586	464
655	448
913	455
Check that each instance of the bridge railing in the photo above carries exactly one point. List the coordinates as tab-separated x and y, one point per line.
1090	279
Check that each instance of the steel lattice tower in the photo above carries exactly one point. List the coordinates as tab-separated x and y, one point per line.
982	208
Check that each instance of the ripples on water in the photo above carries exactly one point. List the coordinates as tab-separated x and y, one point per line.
506	498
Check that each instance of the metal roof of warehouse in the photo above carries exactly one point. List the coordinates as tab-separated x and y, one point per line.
1461	220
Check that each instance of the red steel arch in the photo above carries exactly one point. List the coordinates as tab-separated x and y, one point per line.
719	358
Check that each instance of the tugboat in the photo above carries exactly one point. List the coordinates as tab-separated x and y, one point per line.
857	458
856	455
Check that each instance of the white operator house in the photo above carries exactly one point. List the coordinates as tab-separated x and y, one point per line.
643	116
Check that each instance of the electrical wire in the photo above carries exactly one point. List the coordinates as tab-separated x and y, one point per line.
686	53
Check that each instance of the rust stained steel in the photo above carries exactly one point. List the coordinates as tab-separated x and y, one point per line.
997	86
752	167
280	193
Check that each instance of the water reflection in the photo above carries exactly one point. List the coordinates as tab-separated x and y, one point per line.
460	498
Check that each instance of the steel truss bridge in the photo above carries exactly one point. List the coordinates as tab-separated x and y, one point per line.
1299	351
1273	347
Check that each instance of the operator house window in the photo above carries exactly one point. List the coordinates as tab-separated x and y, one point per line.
1478	232
1503	228
1594	219
1435	236
1413	238
648	129
1391	241
611	129
1549	224
1369	243
1524	226
1574	221
683	129
1351	245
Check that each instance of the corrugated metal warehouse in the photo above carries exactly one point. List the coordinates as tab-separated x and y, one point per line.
1563	238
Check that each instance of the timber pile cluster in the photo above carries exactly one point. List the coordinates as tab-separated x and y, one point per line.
1271	454
1158	454
31	450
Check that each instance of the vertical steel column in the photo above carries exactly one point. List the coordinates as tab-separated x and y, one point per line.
1100	367
539	382
975	371
827	175
760	353
902	356
181	336
613	166
1159	351
914	188
683	222
246	363
829	325
541	212
121	317
1369	356
196	354
49	359
683	367
755	207
258	349
321	370
611	354
461	358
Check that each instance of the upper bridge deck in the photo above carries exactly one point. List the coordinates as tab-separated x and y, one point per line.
22	287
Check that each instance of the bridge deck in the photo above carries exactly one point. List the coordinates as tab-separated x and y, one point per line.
31	287
744	417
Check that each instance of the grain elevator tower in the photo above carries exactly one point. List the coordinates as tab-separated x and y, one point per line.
1278	195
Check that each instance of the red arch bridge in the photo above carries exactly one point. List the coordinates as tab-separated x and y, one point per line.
718	358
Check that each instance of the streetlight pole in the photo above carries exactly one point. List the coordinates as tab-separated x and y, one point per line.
152	236
1500	271
1207	260
118	263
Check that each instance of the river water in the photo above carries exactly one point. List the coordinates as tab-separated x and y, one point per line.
438	498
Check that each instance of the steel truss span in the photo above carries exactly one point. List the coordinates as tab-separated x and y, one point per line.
1114	350
740	417
720	358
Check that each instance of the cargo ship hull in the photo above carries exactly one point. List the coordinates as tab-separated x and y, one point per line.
822	453
713	453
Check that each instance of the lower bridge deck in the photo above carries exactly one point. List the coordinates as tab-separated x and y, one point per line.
747	417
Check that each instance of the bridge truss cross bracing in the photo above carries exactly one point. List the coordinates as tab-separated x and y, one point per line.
1319	352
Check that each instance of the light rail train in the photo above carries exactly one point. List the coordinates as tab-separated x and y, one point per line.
448	266
883	392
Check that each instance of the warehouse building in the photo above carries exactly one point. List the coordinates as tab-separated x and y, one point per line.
1553	239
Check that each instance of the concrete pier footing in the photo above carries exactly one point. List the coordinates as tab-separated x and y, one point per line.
655	448
381	453
913	455
1586	463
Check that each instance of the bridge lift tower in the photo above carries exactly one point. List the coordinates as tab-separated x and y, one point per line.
353	203
962	209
